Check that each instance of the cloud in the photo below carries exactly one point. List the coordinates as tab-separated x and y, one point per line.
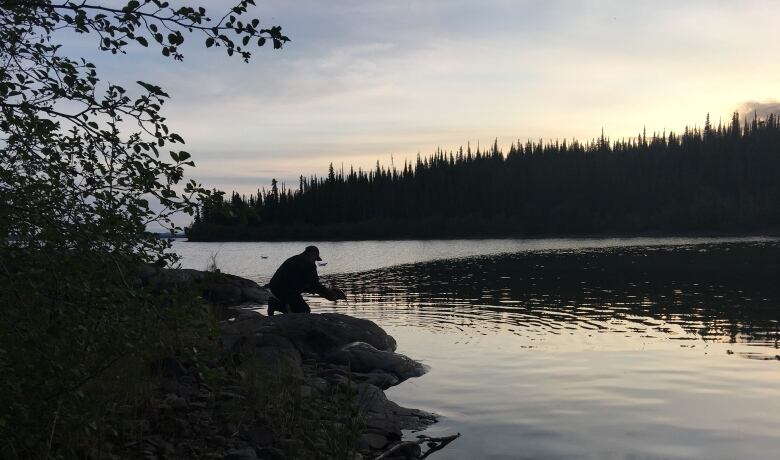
762	109
366	79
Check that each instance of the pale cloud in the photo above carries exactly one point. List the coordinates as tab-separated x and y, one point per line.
364	80
760	109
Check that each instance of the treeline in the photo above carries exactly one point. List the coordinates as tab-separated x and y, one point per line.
710	179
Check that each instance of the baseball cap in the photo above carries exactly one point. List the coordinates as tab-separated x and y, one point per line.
313	249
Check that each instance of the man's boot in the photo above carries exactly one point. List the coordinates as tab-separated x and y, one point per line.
273	305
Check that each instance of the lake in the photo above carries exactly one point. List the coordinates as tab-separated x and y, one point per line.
568	348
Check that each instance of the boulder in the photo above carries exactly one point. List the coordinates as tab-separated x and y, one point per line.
245	323
349	345
222	293
228	290
270	353
317	335
380	379
220	288
255	294
386	417
334	354
363	358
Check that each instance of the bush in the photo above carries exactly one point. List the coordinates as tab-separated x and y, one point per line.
77	185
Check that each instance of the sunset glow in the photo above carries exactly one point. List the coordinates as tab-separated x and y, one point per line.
364	81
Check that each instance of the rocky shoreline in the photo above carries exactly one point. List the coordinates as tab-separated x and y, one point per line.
287	386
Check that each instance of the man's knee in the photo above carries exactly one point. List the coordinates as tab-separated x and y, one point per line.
298	305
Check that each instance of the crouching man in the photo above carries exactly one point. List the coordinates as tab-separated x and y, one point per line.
296	275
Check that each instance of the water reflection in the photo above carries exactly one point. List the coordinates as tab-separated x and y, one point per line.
711	293
620	352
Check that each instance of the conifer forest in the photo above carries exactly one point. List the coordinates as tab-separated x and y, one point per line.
715	179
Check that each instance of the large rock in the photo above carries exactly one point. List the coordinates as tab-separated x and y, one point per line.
317	335
226	289
245	323
364	358
255	294
330	337
278	354
339	355
269	353
384	416
220	288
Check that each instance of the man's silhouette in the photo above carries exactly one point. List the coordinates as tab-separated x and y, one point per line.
296	275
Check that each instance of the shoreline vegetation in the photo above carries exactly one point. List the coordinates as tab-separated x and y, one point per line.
716	179
323	233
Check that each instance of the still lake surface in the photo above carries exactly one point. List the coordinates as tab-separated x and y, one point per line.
568	348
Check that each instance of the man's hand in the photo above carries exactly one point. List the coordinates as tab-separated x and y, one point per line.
333	294
339	294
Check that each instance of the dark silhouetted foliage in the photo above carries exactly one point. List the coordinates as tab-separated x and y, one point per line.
716	179
81	162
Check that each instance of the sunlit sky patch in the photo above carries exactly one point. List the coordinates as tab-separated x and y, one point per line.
362	80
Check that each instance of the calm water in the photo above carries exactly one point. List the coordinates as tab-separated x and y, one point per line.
638	348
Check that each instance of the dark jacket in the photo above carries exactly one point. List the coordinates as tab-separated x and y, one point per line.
296	275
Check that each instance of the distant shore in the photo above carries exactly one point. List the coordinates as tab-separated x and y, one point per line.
324	236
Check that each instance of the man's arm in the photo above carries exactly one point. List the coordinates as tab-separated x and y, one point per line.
315	287
333	294
321	290
312	281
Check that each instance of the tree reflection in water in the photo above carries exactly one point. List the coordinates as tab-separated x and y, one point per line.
725	292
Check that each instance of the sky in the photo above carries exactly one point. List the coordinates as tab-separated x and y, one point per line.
367	80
